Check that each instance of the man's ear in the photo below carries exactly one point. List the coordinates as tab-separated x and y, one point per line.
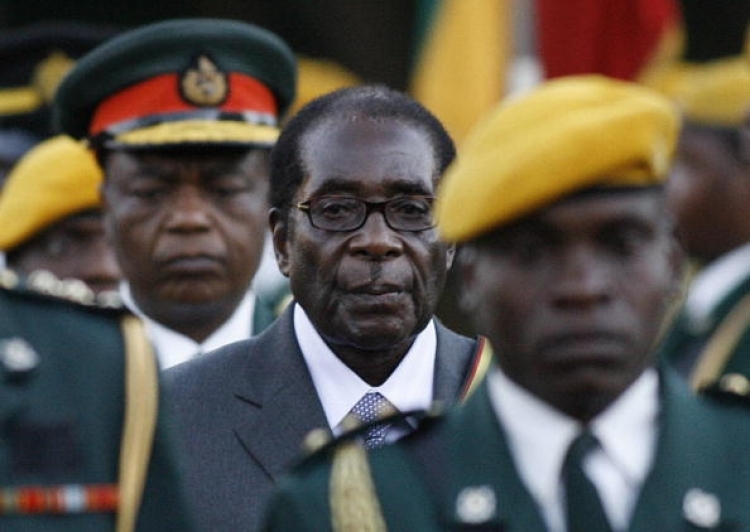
678	264
279	233
466	266
450	255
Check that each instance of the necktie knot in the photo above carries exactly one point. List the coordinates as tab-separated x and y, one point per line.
584	509
370	408
579	449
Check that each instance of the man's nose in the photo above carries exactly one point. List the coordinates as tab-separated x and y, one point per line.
189	209
376	238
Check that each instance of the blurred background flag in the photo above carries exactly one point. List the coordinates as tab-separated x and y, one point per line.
617	38
461	54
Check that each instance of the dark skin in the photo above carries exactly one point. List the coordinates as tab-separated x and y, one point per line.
188	229
368	292
708	174
572	297
75	247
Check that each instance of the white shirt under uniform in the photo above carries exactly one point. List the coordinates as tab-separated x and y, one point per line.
627	432
173	348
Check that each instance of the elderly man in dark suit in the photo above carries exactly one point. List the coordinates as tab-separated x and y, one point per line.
568	266
352	182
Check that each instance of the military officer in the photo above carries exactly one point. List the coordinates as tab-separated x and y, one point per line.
83	442
569	266
182	115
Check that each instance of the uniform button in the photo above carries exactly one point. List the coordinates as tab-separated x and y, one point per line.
17	357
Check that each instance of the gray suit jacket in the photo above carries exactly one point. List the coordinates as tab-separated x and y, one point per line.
244	410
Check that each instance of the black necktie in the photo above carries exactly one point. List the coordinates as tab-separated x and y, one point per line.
584	509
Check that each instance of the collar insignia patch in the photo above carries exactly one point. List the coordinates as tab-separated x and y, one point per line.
702	509
476	504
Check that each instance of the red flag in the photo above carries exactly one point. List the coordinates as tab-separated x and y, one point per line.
617	38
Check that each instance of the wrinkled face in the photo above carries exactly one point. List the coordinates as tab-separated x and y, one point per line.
75	247
188	228
705	175
572	298
372	288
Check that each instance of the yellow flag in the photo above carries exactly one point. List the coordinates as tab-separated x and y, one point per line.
460	67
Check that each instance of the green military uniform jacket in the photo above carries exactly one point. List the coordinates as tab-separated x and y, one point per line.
723	342
458	474
61	418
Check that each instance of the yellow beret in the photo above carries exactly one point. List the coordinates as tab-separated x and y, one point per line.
713	93
55	179
566	135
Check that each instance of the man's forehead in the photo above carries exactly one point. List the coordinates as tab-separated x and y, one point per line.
162	157
364	156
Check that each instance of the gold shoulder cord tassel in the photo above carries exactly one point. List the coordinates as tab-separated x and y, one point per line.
354	503
141	402
716	353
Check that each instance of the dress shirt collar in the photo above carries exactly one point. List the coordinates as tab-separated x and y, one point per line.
408	388
626	431
173	348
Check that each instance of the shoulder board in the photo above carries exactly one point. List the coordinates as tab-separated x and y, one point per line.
44	285
731	388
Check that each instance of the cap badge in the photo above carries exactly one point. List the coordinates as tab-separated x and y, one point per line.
203	83
702	509
476	504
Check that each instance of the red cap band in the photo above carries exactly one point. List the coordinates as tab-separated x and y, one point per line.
161	95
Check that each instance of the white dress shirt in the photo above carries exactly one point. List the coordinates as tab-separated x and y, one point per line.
410	386
627	432
173	348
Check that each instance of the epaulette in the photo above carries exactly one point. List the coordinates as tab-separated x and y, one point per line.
320	443
45	285
731	388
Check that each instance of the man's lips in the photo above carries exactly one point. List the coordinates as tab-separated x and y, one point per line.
376	289
576	348
191	265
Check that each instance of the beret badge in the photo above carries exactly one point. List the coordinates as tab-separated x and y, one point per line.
203	84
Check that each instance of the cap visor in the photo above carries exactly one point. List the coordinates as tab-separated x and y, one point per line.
198	132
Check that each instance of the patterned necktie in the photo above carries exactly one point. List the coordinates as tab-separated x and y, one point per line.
583	507
371	407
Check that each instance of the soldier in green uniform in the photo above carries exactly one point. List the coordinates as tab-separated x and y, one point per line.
708	194
83	444
569	265
50	215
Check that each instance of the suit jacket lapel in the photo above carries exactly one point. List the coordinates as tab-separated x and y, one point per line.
453	361
278	399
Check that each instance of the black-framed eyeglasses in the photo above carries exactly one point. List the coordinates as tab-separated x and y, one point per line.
343	213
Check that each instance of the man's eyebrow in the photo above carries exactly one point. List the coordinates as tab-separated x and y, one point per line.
395	186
